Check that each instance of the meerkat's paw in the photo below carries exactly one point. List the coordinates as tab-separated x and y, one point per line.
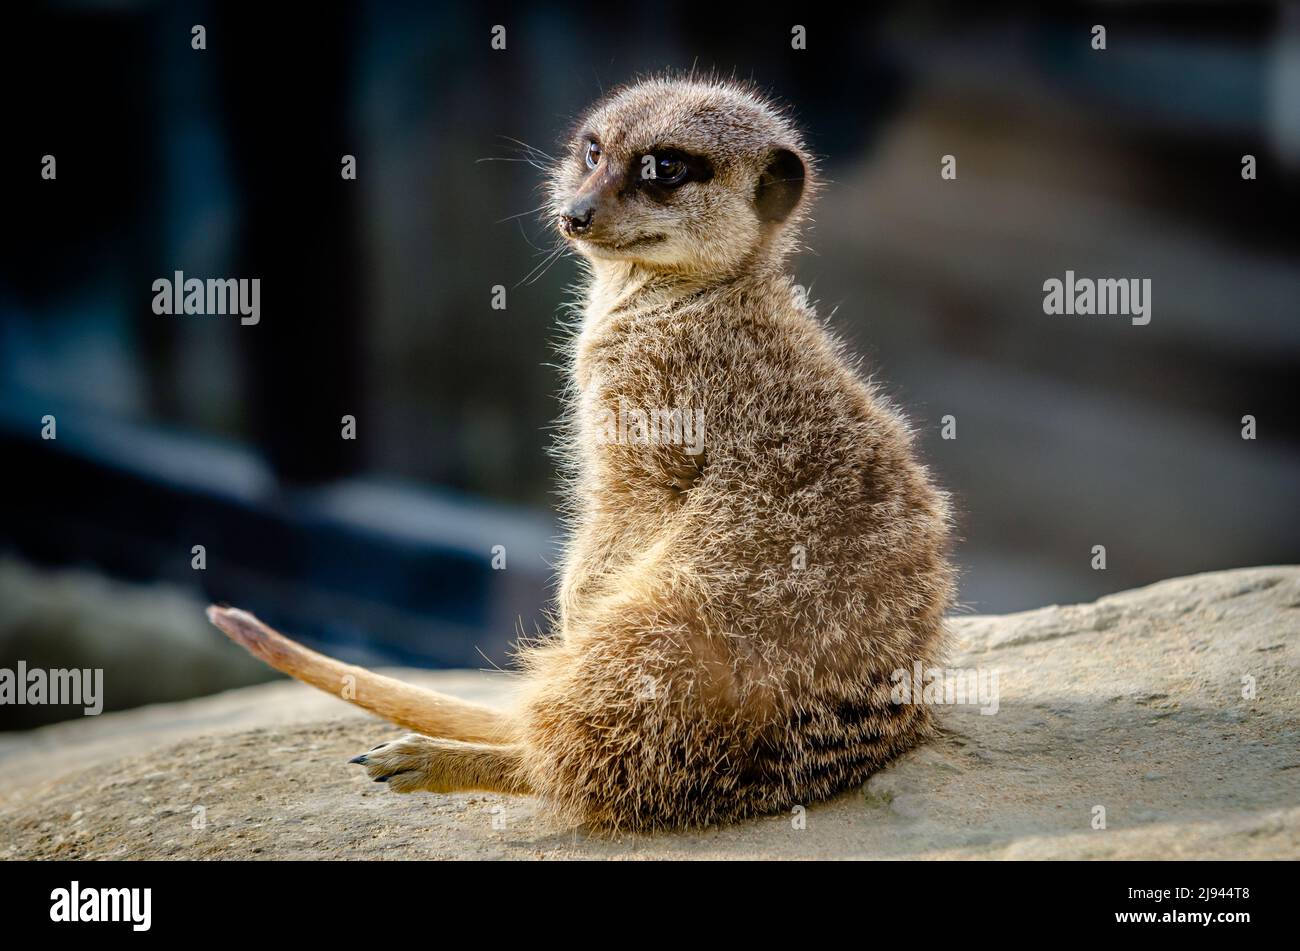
417	762
406	765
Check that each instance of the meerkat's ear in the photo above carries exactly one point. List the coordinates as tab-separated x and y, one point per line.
780	186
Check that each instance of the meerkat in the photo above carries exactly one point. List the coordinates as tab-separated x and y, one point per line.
728	621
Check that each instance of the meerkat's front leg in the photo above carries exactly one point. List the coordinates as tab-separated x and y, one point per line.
417	763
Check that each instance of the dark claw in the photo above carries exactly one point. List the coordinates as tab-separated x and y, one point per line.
359	759
383	779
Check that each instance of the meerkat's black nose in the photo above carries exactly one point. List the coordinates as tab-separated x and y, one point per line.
575	223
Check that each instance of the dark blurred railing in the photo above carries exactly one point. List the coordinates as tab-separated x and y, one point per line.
378	572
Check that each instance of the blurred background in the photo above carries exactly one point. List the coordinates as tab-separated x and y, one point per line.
183	431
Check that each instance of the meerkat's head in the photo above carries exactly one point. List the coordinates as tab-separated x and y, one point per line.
682	175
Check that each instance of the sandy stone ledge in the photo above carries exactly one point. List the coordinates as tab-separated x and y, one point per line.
1133	703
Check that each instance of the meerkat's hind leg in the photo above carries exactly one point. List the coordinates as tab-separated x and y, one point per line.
422	763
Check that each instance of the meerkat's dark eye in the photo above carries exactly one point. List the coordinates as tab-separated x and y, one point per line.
666	168
670	170
593	154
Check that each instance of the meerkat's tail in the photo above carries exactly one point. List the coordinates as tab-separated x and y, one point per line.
415	708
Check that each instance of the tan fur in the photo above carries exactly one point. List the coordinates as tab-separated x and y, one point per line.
397	702
695	674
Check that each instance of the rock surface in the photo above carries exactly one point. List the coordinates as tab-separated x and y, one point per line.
1175	708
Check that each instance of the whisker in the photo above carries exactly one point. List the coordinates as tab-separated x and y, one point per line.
531	148
530	240
542	268
522	214
536	268
533	162
558	254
